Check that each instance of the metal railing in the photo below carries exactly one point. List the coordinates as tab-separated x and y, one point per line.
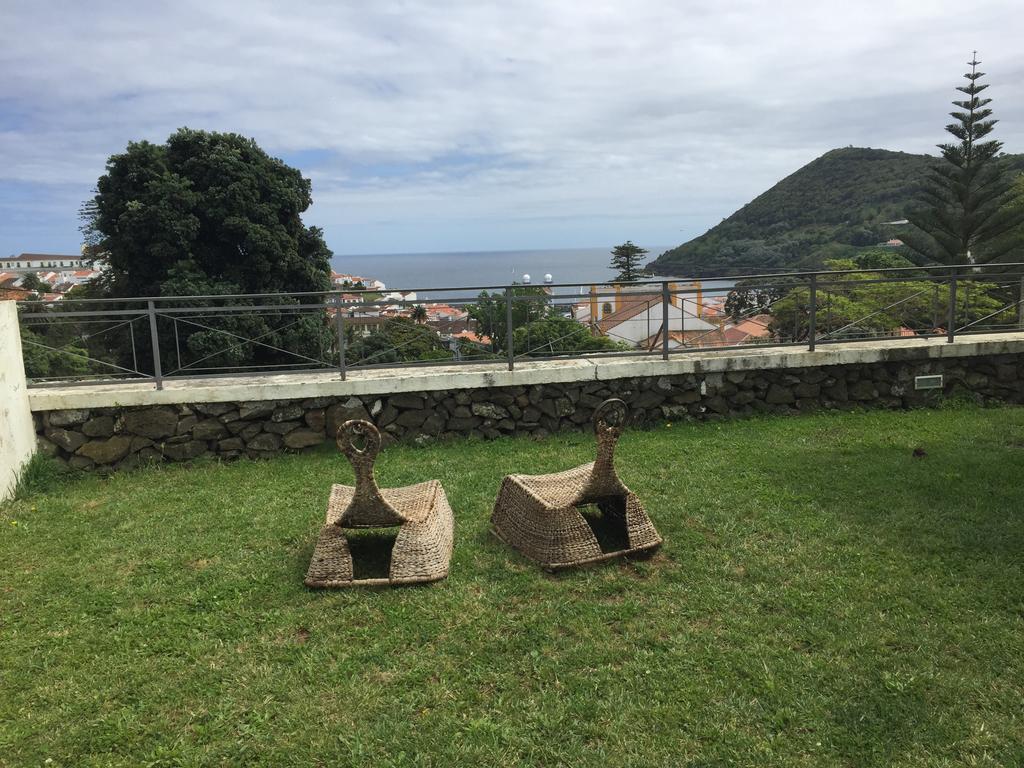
158	338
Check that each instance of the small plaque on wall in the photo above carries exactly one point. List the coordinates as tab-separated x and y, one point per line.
928	382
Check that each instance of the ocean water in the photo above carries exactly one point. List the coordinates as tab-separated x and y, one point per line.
483	268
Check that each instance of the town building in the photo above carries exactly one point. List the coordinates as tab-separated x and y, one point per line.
750	331
39	262
342	280
635	315
58	273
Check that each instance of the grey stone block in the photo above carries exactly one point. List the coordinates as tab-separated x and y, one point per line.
66	439
99	426
107	451
303	438
155	423
71	417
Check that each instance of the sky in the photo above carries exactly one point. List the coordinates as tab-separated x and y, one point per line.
451	126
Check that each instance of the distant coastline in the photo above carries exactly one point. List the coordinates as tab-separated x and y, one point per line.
482	268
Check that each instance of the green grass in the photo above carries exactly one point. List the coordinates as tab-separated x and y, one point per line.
823	598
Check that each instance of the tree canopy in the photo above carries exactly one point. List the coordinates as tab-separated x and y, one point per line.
400	339
626	261
964	212
210	213
855	305
559	335
750	297
490	313
51	348
31	282
210	205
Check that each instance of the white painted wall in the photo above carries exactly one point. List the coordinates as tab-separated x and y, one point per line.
17	433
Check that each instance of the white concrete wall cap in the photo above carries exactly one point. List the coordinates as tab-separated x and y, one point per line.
386	381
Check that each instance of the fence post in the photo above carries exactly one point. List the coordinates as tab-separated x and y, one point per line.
509	347
951	319
158	375
339	326
813	316
1020	305
666	301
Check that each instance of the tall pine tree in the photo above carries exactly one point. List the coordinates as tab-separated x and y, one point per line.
963	216
626	260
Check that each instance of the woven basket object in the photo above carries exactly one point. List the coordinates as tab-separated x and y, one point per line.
423	546
541	517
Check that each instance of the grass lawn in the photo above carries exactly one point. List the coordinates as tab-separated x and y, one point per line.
824	597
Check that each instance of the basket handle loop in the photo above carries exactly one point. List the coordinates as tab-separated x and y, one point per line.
610	416
359	440
609	419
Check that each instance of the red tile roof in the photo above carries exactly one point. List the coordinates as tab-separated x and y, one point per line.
629	306
14	294
755	327
471	336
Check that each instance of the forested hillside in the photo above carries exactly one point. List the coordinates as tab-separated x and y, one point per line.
834	204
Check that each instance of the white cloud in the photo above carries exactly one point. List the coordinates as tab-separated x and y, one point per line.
660	115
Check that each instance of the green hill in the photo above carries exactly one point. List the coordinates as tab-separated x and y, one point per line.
831	206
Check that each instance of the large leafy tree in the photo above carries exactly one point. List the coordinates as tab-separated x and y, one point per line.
756	296
626	261
490	313
854	305
212	213
50	348
212	203
752	297
560	335
963	216
400	340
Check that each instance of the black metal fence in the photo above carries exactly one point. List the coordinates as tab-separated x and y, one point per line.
88	341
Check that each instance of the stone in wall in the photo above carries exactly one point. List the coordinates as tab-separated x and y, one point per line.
154	423
346	409
303	438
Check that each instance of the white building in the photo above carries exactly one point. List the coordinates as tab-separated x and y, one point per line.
42	262
398	296
635	315
342	280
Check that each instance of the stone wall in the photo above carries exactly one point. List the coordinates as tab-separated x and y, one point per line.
118	437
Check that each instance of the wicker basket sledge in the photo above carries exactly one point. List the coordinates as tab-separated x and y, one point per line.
423	546
539	515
